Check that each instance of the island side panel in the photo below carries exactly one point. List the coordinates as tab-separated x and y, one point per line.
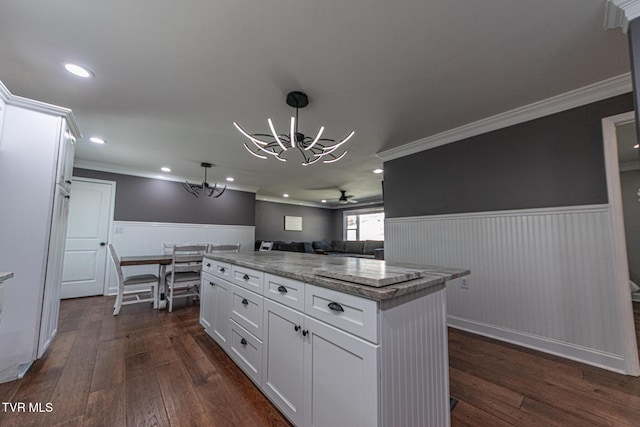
414	362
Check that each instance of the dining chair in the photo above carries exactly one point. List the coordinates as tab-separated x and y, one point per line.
215	247
184	279
132	288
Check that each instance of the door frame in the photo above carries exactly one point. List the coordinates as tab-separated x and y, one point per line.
112	205
625	306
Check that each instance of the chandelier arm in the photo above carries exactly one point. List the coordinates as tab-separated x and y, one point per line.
261	148
209	191
310	162
335	159
189	188
220	193
275	134
348	137
255	154
242	131
293	129
317	138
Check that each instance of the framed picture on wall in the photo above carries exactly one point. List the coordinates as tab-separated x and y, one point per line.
293	223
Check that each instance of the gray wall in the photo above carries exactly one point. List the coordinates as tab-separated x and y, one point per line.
317	223
556	160
156	200
630	183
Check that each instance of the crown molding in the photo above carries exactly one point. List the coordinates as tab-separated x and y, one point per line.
121	170
619	13
41	107
586	95
292	202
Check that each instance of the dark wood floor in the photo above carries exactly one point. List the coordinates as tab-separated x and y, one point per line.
153	368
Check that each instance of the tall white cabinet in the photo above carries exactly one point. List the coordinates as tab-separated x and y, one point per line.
37	144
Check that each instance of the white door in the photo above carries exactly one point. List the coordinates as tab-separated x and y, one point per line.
85	256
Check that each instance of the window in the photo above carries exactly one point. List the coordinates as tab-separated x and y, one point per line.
365	224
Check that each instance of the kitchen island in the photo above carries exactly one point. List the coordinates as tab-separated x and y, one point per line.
334	341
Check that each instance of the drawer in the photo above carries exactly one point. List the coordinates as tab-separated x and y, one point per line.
350	313
288	292
217	268
248	278
246	351
246	309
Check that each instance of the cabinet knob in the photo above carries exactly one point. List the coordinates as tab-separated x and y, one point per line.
68	181
243	341
246	277
335	306
222	270
103	243
245	302
208	265
282	289
305	333
211	283
67	197
296	328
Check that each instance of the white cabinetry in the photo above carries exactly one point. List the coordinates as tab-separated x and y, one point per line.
340	378
214	308
36	157
329	358
283	358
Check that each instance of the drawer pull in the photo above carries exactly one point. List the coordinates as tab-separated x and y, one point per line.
305	333
222	270
244	301
243	341
246	277
282	289
211	283
296	328
335	306
209	264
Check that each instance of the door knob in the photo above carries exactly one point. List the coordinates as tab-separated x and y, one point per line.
103	243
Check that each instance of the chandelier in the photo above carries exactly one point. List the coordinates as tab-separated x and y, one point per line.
312	149
205	188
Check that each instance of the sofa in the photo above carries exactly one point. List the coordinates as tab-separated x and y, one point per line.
373	249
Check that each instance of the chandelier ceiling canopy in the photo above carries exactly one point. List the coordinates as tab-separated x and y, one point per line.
313	149
204	188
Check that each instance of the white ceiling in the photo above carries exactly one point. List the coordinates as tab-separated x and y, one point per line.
171	77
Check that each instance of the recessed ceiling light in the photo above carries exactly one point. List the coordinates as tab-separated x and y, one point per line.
78	70
378	171
636	146
230	179
285	195
323	201
165	169
97	140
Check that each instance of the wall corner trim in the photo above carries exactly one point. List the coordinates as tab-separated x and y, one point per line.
619	13
582	96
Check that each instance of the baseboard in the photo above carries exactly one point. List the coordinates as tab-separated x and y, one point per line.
611	362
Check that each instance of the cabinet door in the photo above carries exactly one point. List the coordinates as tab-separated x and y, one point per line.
340	378
53	279
220	312
282	362
207	295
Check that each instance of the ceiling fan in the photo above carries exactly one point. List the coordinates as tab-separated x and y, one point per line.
344	199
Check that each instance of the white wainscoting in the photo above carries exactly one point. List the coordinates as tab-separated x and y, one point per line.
146	238
542	278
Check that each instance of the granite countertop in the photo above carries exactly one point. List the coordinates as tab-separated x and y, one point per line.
369	278
5	276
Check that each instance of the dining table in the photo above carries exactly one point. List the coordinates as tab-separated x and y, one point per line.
162	260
